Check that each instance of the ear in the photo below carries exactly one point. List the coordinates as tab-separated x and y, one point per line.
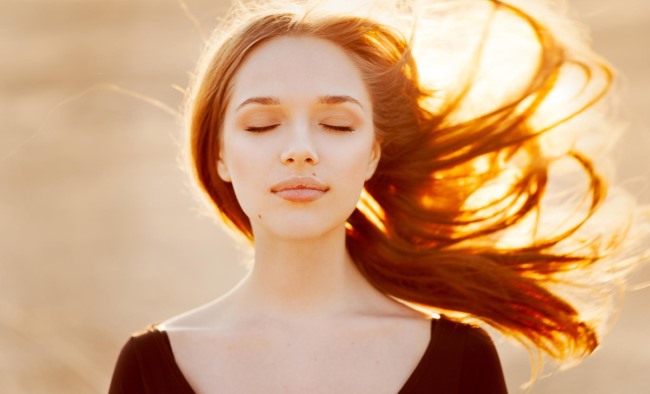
222	170
375	155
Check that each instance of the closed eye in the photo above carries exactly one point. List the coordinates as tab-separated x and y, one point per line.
261	129
336	128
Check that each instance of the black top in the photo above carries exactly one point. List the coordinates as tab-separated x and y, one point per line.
459	359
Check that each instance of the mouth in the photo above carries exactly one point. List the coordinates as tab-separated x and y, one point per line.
300	189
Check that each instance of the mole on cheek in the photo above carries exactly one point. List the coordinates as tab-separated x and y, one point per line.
259	216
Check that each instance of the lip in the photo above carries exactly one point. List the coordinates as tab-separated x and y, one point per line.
300	189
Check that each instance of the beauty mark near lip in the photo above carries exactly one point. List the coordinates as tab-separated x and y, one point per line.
300	189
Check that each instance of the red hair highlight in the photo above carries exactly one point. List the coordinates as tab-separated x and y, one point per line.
415	236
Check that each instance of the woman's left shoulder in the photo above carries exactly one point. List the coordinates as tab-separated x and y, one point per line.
480	367
471	335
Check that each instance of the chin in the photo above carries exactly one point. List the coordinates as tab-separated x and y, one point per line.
304	227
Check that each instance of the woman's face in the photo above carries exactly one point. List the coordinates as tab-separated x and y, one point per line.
298	141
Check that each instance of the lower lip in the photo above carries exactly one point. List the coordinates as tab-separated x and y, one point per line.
300	195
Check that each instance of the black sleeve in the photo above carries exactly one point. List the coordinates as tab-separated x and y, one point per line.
127	376
481	369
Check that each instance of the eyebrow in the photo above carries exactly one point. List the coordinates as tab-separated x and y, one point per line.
332	100
327	100
259	100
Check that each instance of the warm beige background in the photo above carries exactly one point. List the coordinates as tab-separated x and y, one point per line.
99	234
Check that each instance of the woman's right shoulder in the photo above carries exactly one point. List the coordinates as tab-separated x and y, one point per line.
145	353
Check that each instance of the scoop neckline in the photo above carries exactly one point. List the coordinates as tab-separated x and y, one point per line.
411	381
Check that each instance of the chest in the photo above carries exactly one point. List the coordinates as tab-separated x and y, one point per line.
377	361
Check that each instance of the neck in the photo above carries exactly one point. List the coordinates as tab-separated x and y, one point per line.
303	278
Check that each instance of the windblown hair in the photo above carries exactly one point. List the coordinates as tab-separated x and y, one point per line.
459	216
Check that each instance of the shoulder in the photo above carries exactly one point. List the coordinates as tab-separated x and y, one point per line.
145	357
127	375
143	343
461	342
455	330
475	355
474	339
140	343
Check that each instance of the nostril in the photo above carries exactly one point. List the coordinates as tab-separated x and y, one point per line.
302	154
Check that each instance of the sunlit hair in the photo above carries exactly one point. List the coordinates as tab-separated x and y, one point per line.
486	203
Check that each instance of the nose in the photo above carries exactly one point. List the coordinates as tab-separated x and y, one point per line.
300	149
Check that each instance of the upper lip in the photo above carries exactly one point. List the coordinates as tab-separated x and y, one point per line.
299	183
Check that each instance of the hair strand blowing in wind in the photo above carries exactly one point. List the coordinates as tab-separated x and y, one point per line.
458	216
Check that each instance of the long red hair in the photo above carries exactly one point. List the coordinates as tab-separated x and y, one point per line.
450	187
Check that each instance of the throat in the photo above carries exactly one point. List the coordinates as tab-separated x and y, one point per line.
311	283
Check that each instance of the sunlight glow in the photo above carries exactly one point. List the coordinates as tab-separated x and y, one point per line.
508	54
372	210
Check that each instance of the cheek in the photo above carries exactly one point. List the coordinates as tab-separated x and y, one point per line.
248	165
352	159
243	156
350	168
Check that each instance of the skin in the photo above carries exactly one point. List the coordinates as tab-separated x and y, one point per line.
304	319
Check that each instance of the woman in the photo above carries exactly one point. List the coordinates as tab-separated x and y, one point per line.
375	199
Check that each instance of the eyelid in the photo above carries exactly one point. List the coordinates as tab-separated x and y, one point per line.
261	129
259	119
344	129
339	122
256	114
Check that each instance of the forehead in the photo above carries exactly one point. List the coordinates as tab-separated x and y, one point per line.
298	67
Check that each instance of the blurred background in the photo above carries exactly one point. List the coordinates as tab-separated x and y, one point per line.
100	234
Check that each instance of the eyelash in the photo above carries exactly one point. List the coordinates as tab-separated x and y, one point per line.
261	129
342	129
